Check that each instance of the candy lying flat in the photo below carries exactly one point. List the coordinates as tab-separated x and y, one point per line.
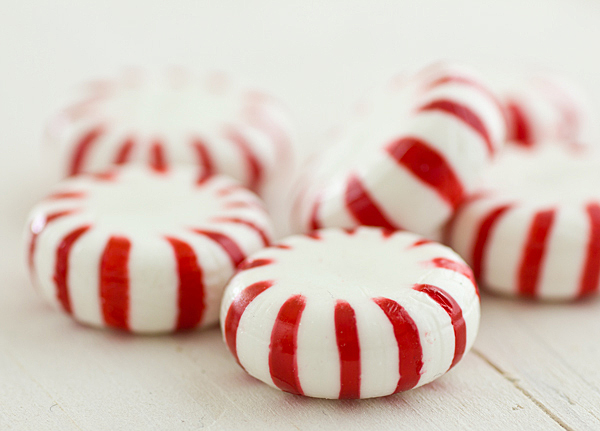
143	250
350	314
174	118
533	230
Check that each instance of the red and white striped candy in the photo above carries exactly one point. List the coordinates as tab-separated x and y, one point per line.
409	157
141	250
547	109
350	314
174	118
534	230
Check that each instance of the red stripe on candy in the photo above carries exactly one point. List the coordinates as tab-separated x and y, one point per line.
237	308
313	235
387	233
450	306
534	252
255	263
255	170
464	114
351	230
158	161
314	216
109	175
230	189
481	240
283	362
65	195
591	269
362	207
82	148
243	204
519	128
430	167
461	268
450	79
190	299
409	343
420	242
207	167
236	255
124	152
346	334
39	227
114	282
61	270
254	227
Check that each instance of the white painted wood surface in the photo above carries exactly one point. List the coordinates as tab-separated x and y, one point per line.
60	375
534	367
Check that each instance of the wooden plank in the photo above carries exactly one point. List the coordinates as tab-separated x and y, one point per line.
108	380
550	352
24	403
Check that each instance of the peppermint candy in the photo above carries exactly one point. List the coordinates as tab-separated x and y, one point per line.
543	108
350	314
175	118
533	230
408	159
143	250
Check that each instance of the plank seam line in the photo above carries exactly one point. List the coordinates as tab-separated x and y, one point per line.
22	367
521	389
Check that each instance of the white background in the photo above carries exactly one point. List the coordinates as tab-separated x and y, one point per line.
319	57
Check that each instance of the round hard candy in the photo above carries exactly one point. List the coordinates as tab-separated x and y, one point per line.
175	118
350	313
143	250
408	157
533	229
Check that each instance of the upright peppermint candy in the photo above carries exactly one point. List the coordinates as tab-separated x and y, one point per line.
408	158
543	108
175	118
143	250
350	314
533	230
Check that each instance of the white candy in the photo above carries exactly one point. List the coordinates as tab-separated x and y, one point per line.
350	314
408	158
142	250
175	118
534	228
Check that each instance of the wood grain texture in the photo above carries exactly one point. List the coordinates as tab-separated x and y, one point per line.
548	351
58	374
533	368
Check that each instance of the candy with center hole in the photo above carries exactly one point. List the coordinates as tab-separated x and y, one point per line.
175	118
143	250
350	314
408	158
534	228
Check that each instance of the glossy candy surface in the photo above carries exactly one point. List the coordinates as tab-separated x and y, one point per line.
533	229
143	250
407	158
350	314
